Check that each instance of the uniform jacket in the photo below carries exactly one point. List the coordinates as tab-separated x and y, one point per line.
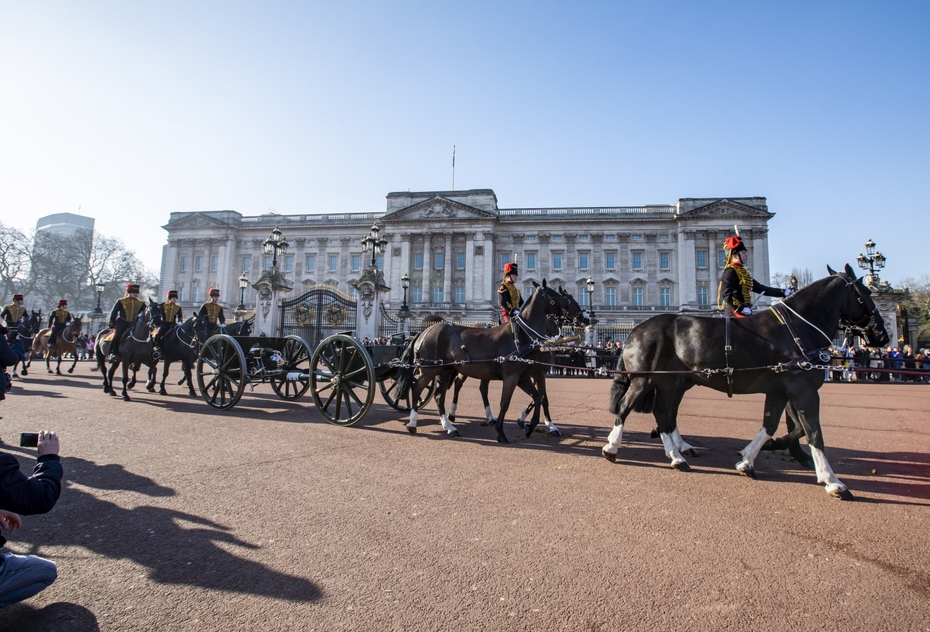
213	312
735	286
126	308
59	316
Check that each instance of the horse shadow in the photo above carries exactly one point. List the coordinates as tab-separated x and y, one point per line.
175	547
63	615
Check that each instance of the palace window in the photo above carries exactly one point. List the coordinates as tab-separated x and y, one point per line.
356	263
460	261
417	294
610	296
246	263
665	259
439	260
556	260
459	294
721	258
610	260
531	261
198	264
288	263
637	297
437	294
582	261
702	296
266	263
214	263
665	296
701	259
418	261
637	261
505	259
196	294
180	294
333	263
183	265
311	263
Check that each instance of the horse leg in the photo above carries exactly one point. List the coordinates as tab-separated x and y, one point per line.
483	389
457	386
187	376
164	376
48	360
629	392
526	385
544	398
59	357
419	384
442	387
774	405
792	441
74	362
666	414
125	379
109	382
807	404
510	383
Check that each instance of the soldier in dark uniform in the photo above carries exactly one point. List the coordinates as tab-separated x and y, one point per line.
736	283
212	311
124	312
13	313
172	315
508	294
57	321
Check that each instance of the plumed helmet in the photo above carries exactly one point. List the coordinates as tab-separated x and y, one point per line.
172	294
17	297
214	292
510	268
63	302
132	288
734	244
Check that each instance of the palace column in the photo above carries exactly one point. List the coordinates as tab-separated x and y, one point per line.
470	267
427	256
447	270
687	275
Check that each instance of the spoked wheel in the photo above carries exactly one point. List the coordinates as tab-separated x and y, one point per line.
341	380
388	388
221	372
296	354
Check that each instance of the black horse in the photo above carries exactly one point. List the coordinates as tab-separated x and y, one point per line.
666	355
27	329
575	317
205	329
134	350
178	345
438	347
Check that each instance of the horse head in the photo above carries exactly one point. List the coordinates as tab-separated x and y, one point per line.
551	303
35	320
76	325
575	314
858	313
157	310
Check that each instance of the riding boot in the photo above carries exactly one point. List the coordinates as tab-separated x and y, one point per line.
114	350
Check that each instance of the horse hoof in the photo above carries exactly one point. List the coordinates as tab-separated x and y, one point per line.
681	466
654	434
192	394
689	452
521	424
161	392
412	429
57	372
25	372
843	494
747	471
609	456
126	398
50	371
454	433
452	418
555	433
71	370
502	439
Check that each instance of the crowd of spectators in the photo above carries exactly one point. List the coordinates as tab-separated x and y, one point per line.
858	364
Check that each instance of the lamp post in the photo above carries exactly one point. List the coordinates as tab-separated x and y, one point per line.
274	244
590	284
591	329
871	261
100	288
374	243
404	312
243	285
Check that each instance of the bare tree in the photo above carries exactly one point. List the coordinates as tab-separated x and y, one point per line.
14	261
805	277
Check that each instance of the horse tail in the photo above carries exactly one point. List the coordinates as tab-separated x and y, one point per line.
621	385
405	372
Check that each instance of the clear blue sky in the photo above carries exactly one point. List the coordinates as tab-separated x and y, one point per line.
134	110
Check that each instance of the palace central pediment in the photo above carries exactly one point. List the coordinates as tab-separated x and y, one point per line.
727	208
195	220
438	208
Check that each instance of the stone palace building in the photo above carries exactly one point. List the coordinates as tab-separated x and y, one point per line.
453	245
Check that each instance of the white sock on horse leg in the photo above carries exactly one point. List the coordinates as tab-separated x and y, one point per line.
751	451
452	409
679	442
550	426
614	439
671	450
446	424
825	473
489	414
413	419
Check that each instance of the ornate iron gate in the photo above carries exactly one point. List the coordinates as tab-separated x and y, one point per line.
317	314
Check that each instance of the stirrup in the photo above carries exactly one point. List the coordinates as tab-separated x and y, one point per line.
156	353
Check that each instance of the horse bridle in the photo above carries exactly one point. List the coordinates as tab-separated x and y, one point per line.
868	321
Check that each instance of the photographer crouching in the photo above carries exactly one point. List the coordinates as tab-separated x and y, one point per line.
22	576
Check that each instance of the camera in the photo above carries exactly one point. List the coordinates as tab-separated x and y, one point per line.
29	439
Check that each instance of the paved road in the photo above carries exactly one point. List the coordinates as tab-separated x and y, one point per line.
267	518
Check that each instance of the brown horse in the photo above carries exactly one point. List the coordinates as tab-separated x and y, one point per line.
66	342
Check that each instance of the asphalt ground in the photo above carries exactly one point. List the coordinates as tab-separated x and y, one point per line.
265	517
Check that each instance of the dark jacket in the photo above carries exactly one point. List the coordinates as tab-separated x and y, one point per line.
36	494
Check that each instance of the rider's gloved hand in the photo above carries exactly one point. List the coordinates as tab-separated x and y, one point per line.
222	325
788	292
515	313
746	311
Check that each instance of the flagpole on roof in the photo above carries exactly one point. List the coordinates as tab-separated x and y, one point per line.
453	168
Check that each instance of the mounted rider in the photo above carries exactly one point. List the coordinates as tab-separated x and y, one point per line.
173	315
14	313
124	312
212	311
59	318
736	284
509	294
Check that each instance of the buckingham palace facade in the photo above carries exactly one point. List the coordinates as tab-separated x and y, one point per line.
453	245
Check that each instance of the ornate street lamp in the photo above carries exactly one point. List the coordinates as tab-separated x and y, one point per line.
100	288
404	310
243	285
590	284
374	243
274	244
871	261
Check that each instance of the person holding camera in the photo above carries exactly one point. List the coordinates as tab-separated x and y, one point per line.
22	576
